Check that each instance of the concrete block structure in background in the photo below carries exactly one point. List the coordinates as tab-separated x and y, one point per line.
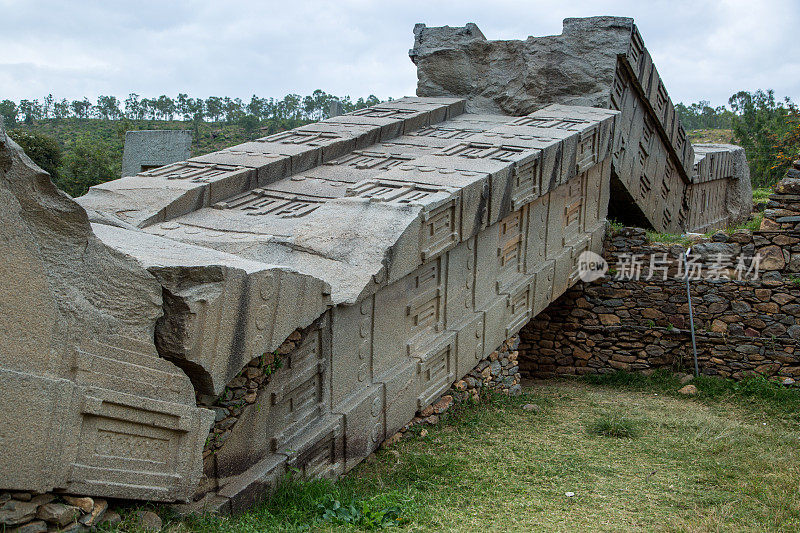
149	149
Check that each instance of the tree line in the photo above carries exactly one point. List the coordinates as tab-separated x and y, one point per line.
84	140
212	109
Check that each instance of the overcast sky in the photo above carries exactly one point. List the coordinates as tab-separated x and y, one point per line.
703	49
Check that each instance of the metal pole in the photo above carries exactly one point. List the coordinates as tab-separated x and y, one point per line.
691	314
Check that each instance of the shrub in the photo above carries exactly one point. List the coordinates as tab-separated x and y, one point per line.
42	149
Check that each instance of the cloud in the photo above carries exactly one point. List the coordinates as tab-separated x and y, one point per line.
703	50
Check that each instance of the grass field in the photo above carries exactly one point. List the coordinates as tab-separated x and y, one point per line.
633	454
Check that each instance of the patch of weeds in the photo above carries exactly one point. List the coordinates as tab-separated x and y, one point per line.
613	227
761	194
794	279
754	224
359	514
668	238
614	425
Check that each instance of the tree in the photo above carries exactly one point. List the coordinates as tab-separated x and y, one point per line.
81	108
182	104
165	107
762	125
249	123
133	108
87	163
108	107
214	107
233	109
9	111
61	109
30	110
47	106
41	148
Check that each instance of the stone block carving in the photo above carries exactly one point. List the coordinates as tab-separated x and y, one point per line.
610	68
113	419
318	287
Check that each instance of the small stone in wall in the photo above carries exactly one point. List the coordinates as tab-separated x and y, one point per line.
609	319
686	379
85	504
37	526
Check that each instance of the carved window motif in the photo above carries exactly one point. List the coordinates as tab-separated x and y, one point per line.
264	202
310	138
444	133
643	155
573	207
555	123
588	149
618	91
636	50
371	160
434	373
195	172
301	399
396	192
510	245
645	185
484	151
665	189
382	112
424	309
680	138
425	315
322	460
667	216
576	254
121	445
661	97
439	229
518	309
620	153
526	183
647	132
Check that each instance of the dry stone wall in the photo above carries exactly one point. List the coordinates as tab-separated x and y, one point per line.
742	326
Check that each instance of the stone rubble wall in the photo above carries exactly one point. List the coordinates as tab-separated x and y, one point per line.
742	327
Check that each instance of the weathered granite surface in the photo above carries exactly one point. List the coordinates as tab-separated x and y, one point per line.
111	417
600	62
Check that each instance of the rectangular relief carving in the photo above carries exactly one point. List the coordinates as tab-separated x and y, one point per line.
266	202
440	228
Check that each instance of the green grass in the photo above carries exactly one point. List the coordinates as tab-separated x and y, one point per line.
710	136
613	425
637	456
668	238
761	194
